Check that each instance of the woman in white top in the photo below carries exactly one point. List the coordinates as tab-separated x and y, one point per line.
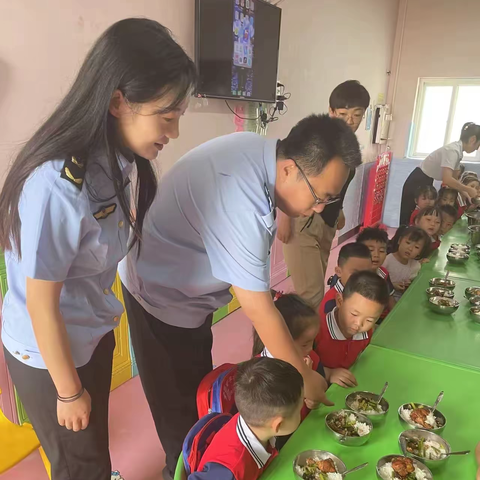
443	165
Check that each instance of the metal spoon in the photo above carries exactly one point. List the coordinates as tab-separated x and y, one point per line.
382	393
363	465
446	275
464	452
437	401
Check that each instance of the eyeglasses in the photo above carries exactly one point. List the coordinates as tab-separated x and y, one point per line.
318	201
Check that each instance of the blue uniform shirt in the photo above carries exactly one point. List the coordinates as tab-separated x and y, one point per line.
211	226
73	231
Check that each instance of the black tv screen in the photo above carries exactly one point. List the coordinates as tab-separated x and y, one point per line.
236	49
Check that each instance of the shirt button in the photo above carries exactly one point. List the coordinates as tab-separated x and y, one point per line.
120	223
25	357
106	291
116	319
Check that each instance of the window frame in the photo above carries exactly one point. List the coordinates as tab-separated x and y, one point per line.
423	83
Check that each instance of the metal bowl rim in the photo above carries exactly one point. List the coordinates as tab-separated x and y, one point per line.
416	463
406	432
363	419
427	406
368	414
335	457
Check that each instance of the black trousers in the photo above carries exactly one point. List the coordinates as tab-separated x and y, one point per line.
74	455
171	362
416	179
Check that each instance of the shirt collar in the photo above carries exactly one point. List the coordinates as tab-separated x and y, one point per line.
381	272
266	353
339	286
461	201
336	333
252	443
125	165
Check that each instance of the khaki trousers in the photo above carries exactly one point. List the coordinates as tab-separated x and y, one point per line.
306	256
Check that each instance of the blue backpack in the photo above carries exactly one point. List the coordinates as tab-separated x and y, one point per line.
200	437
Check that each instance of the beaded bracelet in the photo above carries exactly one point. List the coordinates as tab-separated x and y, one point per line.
72	398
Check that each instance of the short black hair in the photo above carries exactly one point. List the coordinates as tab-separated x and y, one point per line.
353	250
427	191
466	179
373	233
446	191
449	210
415	234
470	129
266	388
316	140
369	285
349	94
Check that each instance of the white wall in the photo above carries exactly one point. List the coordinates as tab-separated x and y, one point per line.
436	38
323	43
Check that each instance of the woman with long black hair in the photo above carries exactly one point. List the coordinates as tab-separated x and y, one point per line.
64	227
442	165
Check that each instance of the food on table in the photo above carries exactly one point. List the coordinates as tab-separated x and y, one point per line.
347	424
316	469
420	417
424	448
444	302
363	404
442	282
401	468
474	291
439	292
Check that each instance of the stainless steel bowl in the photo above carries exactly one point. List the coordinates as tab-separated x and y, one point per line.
439	292
475	301
474	234
460	246
388	458
475	200
442	282
472	292
473	218
344	439
475	311
301	460
457	257
435	305
439	416
426	435
374	417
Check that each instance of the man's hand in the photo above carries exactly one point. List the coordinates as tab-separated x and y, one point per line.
341	220
343	377
284	227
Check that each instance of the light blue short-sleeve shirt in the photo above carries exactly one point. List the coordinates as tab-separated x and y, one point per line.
211	225
72	231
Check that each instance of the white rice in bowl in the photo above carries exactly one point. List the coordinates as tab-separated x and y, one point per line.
362	428
330	476
405	414
387	472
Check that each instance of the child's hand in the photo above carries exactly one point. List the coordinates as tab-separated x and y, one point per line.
399	286
308	361
424	260
343	377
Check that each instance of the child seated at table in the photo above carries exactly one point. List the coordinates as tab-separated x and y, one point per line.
430	221
353	257
347	330
269	398
447	196
470	180
449	217
426	196
376	239
409	245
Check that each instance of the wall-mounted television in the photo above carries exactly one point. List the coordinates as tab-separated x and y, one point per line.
236	49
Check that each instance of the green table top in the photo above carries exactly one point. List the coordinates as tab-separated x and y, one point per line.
410	379
413	328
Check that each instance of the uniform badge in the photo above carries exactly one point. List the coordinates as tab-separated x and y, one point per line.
105	211
74	172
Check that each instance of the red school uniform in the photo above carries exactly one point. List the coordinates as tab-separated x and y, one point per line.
383	272
435	243
235	454
333	349
414	215
329	301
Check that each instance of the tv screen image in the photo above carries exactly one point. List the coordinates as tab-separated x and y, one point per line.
236	48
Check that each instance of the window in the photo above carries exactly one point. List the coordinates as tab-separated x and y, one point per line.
443	105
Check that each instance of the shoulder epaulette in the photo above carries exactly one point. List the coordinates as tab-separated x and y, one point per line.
73	171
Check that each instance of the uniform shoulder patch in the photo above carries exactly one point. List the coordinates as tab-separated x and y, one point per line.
105	211
73	171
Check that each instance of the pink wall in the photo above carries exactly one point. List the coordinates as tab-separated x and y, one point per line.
440	39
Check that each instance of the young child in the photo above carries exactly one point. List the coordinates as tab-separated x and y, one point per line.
426	196
347	330
376	240
449	217
409	244
269	398
353	257
469	180
447	196
430	221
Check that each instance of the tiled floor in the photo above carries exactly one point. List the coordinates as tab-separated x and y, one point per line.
134	445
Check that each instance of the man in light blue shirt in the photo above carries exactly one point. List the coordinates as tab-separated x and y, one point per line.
211	227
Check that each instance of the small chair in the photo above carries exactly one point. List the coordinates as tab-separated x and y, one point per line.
18	442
